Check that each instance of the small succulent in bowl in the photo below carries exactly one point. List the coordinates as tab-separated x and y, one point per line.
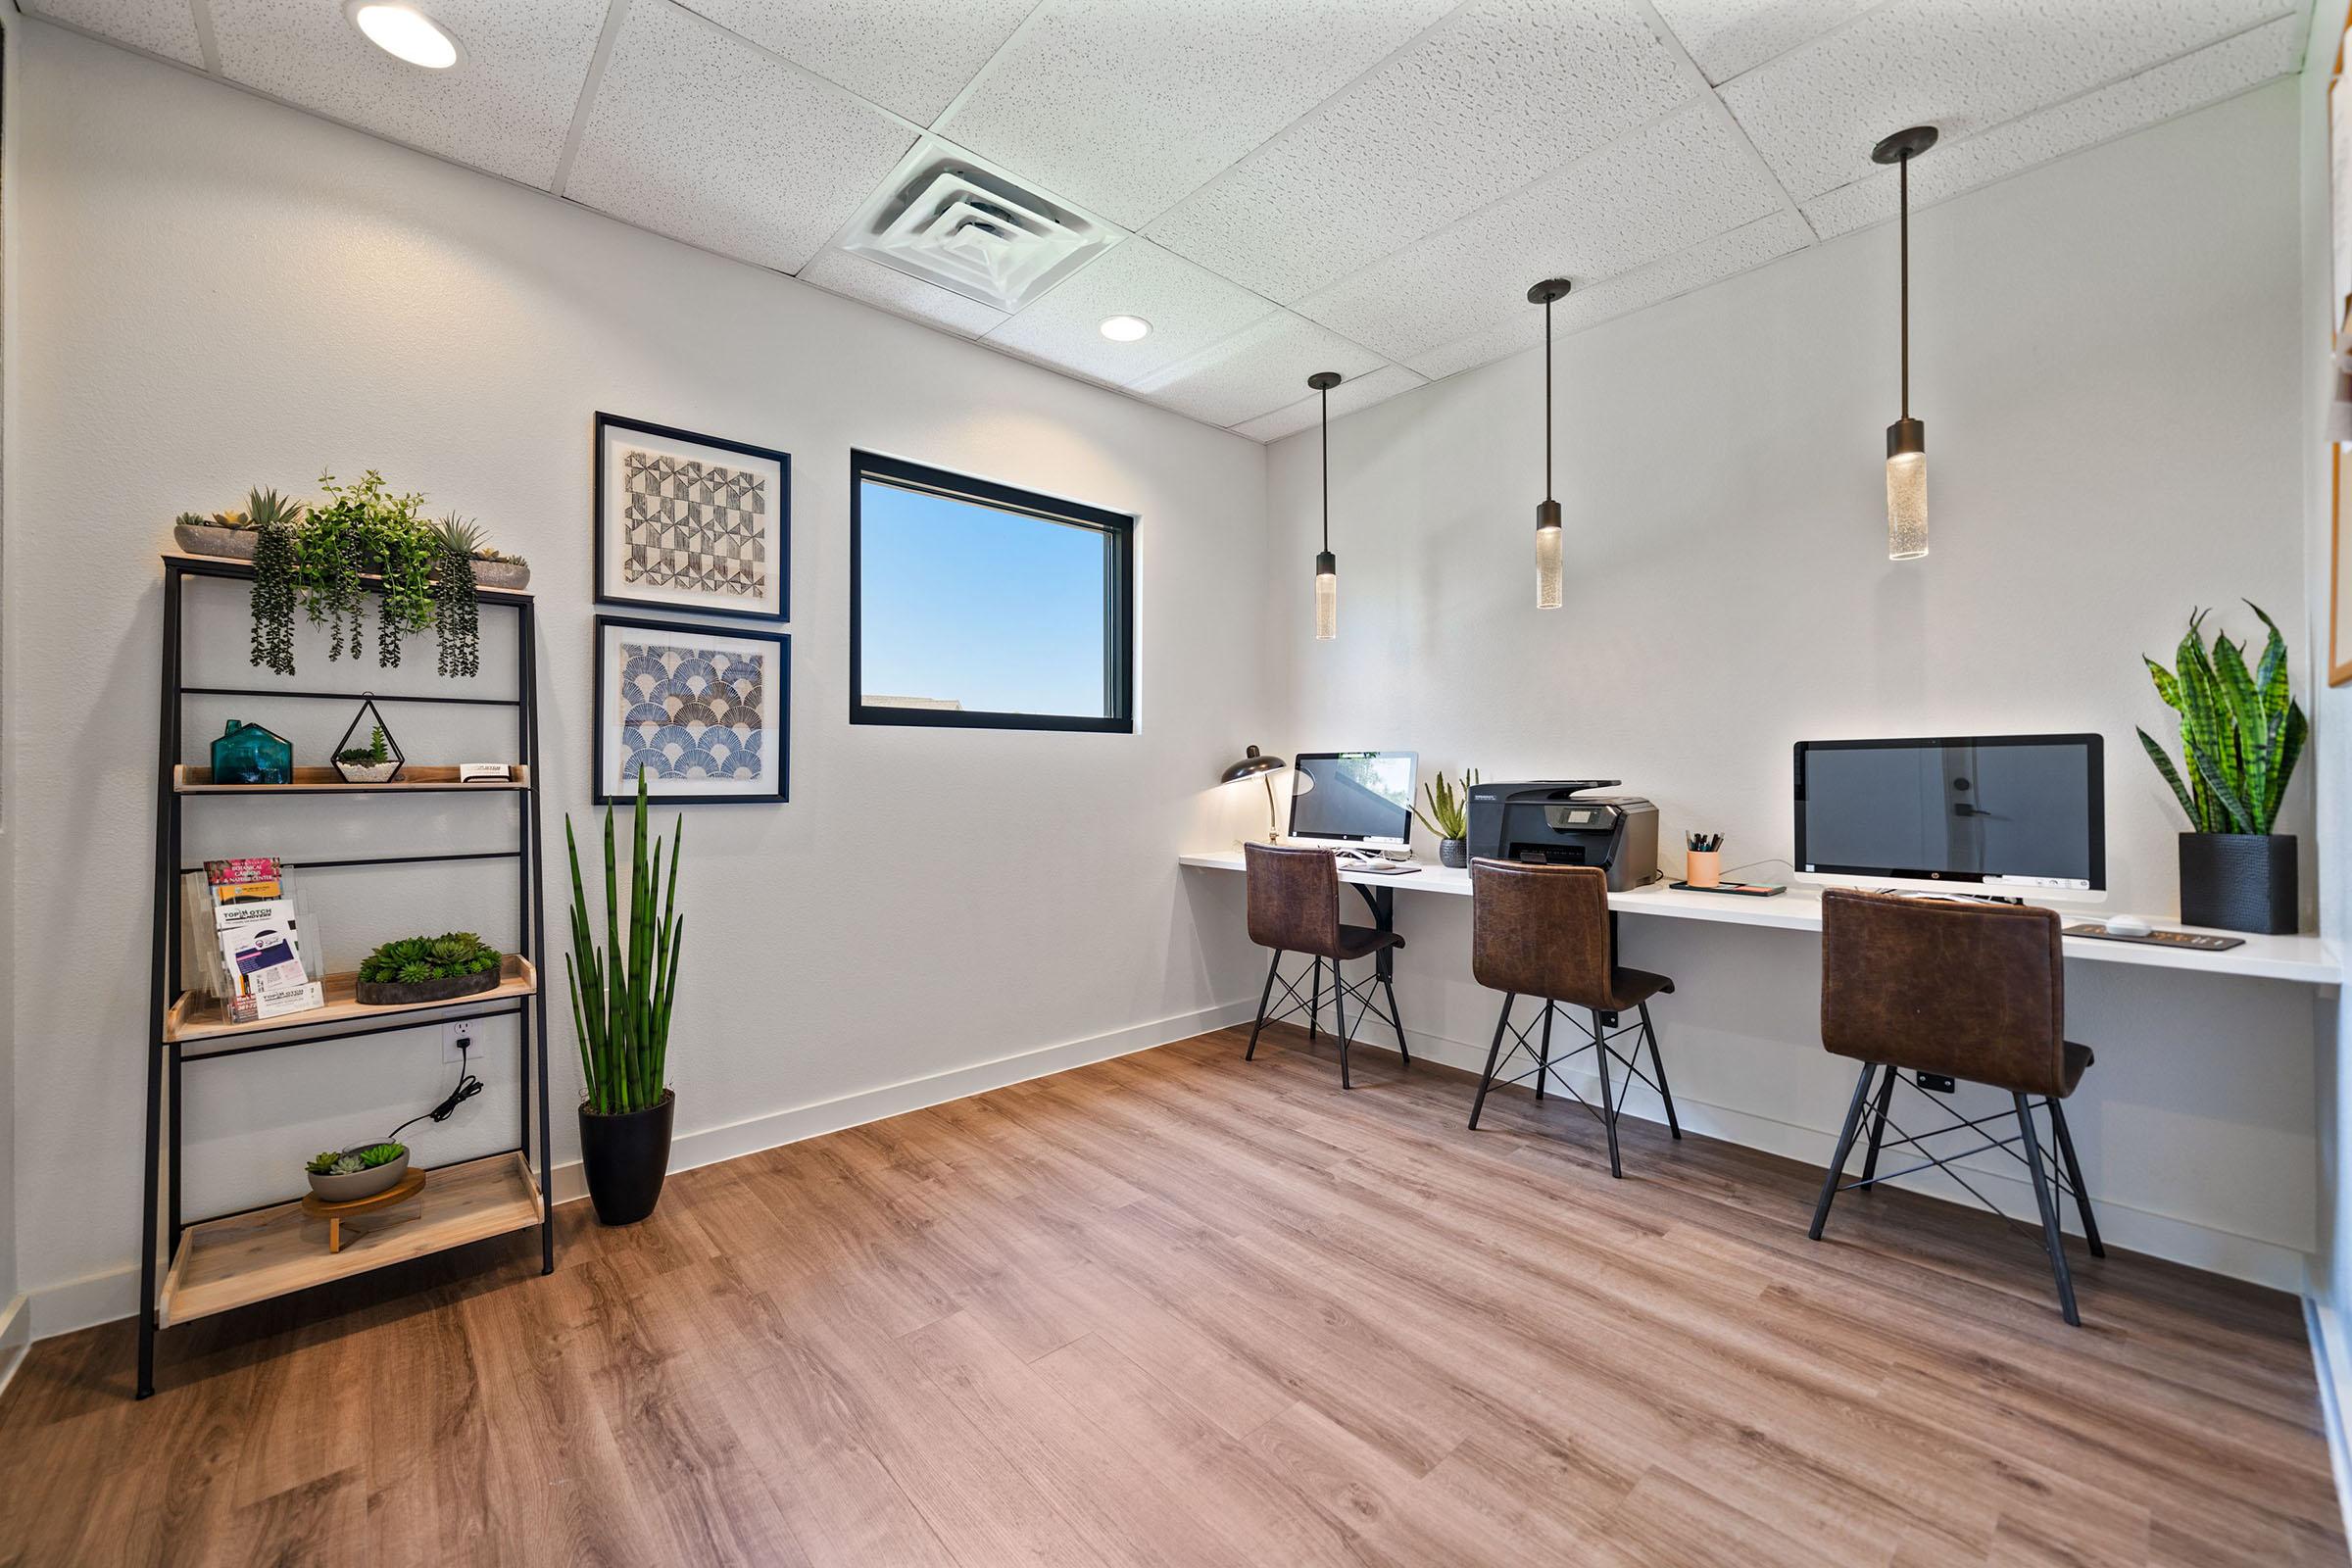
342	1175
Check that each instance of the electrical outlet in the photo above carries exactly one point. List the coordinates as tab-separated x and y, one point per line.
1934	1083
467	1031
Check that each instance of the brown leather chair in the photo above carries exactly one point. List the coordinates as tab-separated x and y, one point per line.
1958	991
1295	907
1543	931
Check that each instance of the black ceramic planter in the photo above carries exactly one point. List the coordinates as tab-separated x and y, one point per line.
626	1156
2240	881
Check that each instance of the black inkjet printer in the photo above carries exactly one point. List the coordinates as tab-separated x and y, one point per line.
1553	822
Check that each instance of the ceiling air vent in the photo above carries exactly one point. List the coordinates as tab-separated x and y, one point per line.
948	219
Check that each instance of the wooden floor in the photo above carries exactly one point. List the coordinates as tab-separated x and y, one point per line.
1179	1309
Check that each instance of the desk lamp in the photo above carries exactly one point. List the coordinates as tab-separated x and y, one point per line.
1256	763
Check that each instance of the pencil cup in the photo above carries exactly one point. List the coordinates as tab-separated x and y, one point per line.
1702	868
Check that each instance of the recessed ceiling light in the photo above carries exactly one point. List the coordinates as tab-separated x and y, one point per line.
405	33
1124	328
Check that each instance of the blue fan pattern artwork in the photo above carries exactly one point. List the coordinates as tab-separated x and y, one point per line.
690	712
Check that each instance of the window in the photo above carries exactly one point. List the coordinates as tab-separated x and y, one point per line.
977	605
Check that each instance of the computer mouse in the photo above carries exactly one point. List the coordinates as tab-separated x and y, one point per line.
2128	925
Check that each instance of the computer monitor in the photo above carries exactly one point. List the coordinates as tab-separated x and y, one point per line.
1354	798
2014	815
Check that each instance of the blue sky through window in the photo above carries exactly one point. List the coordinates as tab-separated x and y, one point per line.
996	611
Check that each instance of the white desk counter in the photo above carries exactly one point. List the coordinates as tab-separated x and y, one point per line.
2305	958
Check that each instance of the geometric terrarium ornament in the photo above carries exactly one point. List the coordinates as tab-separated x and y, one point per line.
375	758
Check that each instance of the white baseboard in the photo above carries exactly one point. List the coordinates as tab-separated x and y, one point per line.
2331	1364
16	1337
2139	1230
114	1294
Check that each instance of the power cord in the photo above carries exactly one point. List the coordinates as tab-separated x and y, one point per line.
469	1086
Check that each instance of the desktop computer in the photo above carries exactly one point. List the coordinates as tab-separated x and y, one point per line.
1360	801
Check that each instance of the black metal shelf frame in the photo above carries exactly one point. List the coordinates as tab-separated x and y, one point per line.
163	1209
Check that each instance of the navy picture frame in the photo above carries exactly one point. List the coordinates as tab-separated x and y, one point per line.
779	557
606	789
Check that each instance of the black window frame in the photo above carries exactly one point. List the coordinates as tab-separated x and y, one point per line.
1118	597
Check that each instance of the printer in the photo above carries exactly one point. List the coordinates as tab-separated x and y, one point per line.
1554	822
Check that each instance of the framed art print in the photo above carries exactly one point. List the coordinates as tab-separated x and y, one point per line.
704	712
691	522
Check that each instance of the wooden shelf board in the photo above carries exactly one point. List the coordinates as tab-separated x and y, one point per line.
234	1262
200	1017
190	779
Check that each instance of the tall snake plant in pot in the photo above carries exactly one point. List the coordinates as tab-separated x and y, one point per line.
621	996
2241	734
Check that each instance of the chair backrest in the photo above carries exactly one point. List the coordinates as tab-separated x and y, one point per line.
1974	991
1542	931
1293	899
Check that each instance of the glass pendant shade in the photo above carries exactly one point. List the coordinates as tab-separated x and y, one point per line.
1327	596
1547	556
1906	490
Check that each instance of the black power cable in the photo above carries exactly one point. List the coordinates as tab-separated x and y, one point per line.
469	1086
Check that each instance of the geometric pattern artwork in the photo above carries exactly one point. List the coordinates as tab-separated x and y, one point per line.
690	712
694	525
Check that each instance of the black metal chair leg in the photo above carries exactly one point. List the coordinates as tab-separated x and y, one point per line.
1314	1002
1251	1054
1877	1125
1609	1106
1846	1146
1339	1020
2074	1177
1486	1080
1397	1018
2053	1236
1544	1055
1659	1065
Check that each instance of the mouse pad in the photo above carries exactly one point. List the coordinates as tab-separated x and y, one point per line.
2194	941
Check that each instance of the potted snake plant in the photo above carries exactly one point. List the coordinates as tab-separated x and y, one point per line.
1448	817
2241	734
621	995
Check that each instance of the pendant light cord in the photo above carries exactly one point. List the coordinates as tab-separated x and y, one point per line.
1325	392
1548	398
1903	177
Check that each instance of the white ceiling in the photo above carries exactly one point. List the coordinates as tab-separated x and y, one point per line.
1367	186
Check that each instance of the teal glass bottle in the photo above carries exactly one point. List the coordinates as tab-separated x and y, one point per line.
248	753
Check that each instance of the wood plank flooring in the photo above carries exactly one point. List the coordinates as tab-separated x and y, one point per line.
1178	1310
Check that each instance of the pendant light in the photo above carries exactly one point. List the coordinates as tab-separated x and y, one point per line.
1907	438
1327	565
1547	510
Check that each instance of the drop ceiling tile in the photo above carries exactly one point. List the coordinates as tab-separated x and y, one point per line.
1348	396
1260	368
506	107
1500	93
2176	89
1745	248
698	135
910	56
166	28
1189	308
1729	36
1126	108
1669	186
1963	66
858	278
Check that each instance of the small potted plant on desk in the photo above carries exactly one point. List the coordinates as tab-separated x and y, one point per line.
2242	735
1448	817
621	996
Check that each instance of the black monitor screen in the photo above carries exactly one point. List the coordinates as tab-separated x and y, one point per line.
1353	794
1968	810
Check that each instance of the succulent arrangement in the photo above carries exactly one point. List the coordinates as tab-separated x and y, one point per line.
453	955
352	1162
1449	814
2241	733
621	995
375	754
324	558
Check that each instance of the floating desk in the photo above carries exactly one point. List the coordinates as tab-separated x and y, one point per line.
2308	959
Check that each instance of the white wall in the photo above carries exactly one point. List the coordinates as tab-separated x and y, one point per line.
218	292
15	1323
2103	354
